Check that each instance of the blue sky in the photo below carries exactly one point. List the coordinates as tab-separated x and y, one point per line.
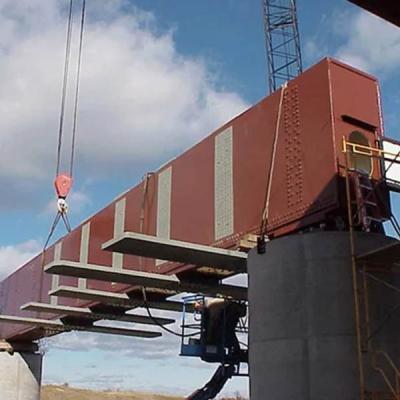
136	54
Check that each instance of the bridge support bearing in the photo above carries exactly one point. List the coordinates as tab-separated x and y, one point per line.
20	375
302	326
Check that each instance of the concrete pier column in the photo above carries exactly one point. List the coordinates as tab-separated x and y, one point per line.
302	326
20	375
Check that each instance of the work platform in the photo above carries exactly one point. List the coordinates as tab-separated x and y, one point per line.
177	251
59	327
143	279
87	313
115	299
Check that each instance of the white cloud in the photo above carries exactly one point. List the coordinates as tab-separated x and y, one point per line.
12	257
141	101
372	44
78	201
148	365
160	348
358	38
165	347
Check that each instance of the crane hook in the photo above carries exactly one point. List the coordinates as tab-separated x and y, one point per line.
62	184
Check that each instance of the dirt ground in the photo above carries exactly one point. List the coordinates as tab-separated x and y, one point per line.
66	393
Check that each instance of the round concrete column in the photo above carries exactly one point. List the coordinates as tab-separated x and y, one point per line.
20	376
302	326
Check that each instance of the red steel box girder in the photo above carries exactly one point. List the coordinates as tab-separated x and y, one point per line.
304	184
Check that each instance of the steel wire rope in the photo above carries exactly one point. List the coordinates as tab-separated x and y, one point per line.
64	85
63	215
78	76
60	214
265	213
154	319
60	134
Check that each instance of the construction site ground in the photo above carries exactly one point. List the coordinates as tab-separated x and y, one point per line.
67	393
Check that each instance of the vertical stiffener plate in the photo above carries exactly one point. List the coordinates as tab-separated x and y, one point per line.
55	279
164	206
223	184
84	252
119	227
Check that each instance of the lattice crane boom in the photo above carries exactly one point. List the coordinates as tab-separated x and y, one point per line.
282	41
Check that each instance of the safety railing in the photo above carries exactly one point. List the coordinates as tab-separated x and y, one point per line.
370	151
387	158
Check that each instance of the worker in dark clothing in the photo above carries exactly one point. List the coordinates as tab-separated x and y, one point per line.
220	319
219	322
233	312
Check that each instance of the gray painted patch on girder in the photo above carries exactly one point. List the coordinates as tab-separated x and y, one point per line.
84	252
223	196
55	279
119	227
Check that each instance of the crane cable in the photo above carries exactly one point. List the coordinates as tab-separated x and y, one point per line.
64	179
156	322
265	213
64	86
78	77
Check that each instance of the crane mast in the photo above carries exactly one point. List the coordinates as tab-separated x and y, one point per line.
282	41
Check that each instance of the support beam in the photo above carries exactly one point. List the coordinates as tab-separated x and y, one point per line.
178	251
145	279
87	313
115	299
59	327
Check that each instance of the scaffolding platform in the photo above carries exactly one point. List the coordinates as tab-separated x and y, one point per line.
87	313
115	299
143	279
387	256
177	251
60	327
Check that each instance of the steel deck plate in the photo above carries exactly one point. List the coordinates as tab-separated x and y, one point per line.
115	299
145	279
178	251
87	313
59	326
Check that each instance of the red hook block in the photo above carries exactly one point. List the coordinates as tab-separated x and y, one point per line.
63	184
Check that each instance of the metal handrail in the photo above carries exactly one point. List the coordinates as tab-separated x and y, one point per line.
370	151
395	390
373	152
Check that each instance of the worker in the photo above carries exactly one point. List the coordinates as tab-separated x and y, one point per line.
220	319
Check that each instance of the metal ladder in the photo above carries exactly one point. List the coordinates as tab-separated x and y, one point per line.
366	200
